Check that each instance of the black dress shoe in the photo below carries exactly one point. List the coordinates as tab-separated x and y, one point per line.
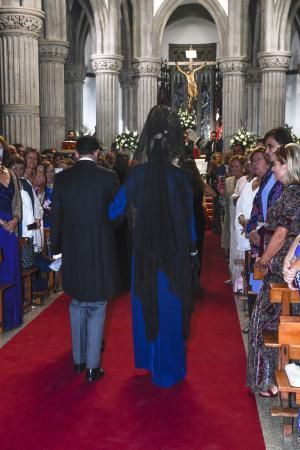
78	368
94	374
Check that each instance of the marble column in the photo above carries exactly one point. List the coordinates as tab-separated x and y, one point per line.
74	78
253	106
52	55
19	75
233	71
128	87
107	69
273	66
146	72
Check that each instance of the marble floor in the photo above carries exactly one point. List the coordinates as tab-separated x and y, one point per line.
271	426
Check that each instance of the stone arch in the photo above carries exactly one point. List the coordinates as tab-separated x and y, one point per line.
97	17
292	8
213	7
285	15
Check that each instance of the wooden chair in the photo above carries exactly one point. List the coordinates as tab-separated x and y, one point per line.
289	349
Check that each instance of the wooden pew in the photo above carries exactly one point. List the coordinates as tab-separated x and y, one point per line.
3	288
280	293
27	288
289	349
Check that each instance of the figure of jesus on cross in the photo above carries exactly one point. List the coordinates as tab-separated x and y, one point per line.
192	88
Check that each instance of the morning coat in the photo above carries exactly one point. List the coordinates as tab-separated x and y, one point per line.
82	232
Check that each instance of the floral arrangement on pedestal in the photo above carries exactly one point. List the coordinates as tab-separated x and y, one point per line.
243	137
295	138
127	140
187	120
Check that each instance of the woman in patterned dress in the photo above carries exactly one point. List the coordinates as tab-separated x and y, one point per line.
283	225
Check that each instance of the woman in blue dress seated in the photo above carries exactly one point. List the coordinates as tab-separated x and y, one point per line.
158	200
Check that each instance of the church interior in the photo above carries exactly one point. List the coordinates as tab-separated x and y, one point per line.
75	68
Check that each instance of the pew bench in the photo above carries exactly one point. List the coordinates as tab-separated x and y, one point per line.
27	288
280	293
289	349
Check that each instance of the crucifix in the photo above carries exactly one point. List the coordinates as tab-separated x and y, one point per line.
192	88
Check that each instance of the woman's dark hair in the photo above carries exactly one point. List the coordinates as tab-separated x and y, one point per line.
121	166
280	134
190	167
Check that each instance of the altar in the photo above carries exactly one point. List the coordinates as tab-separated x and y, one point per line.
68	146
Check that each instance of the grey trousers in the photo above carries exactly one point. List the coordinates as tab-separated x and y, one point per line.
87	323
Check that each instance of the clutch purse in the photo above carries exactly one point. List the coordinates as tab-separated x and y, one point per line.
258	274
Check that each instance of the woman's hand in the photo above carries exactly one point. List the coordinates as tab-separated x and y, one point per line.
254	237
262	264
242	221
10	226
290	268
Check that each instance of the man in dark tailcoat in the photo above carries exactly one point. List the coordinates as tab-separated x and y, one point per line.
82	232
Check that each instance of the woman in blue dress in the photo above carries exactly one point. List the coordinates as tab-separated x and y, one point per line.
10	213
158	199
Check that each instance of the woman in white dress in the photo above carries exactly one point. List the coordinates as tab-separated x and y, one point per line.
237	168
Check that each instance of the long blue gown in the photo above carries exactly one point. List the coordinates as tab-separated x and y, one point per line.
10	267
165	357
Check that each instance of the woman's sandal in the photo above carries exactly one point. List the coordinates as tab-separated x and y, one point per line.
271	392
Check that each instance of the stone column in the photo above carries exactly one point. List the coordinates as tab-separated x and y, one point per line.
74	78
107	68
233	98
19	76
253	109
146	72
127	85
274	66
52	55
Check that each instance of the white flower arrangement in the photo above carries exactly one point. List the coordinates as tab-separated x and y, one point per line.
243	137
295	138
127	140
187	119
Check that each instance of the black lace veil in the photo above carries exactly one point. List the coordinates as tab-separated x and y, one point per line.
161	236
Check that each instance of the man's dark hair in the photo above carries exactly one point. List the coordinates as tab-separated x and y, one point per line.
86	145
280	134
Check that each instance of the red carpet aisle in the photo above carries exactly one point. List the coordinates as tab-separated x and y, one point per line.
44	406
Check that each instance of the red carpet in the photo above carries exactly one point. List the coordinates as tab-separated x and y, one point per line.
44	406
